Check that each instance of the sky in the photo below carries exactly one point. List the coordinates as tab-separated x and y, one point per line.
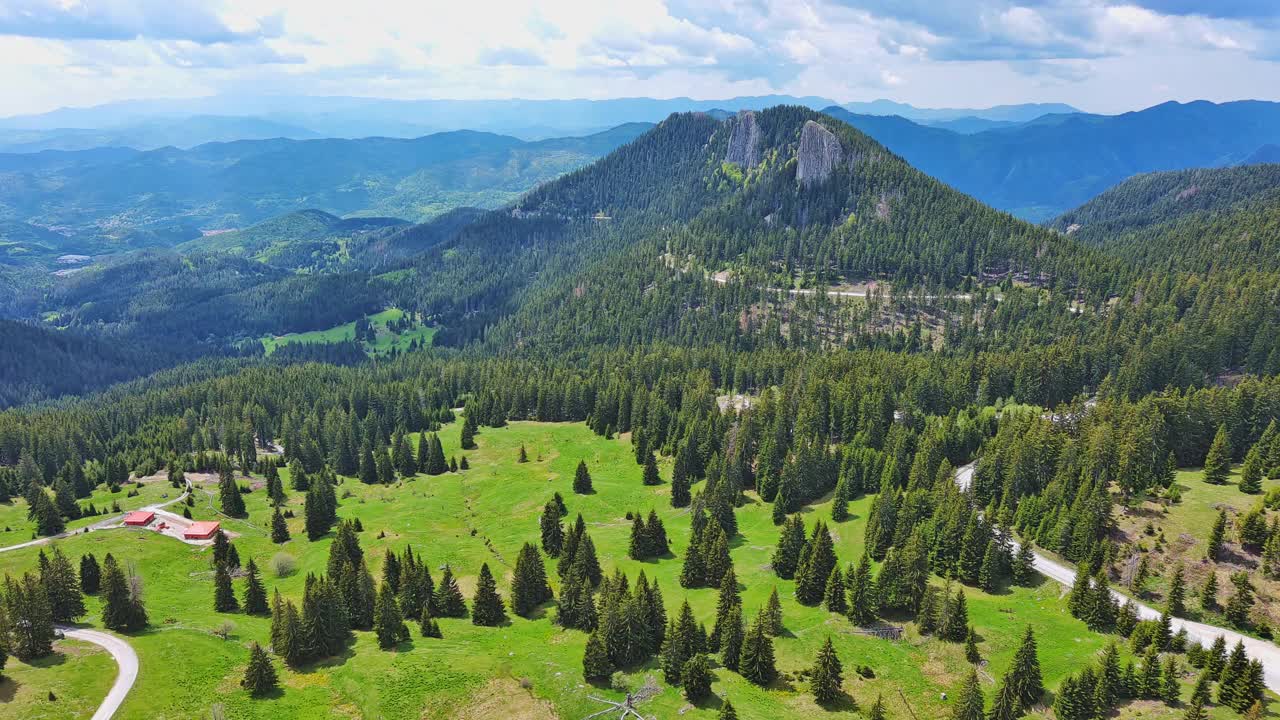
1099	55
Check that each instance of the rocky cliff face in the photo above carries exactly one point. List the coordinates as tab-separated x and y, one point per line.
818	155
744	143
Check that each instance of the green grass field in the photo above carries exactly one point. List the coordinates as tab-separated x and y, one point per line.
385	342
484	515
78	674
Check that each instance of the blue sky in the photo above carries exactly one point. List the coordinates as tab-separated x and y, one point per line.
1101	55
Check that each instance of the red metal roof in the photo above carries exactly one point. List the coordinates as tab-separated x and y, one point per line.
138	517
201	529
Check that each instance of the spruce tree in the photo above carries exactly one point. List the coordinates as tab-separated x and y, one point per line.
1217	464
596	665
1252	470
1024	571
1209	593
969	701
695	676
877	711
229	498
833	597
732	634
727	712
756	662
224	598
388	623
529	586
448	601
90	574
260	676
790	544
1024	675
1217	535
487	608
971	646
582	479
827	675
552	529
29	618
1176	599
58	577
680	496
862	594
773	614
650	475
255	595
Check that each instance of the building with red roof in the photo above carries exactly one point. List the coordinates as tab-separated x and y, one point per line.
202	530
139	518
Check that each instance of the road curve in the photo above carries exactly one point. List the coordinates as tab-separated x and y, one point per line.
126	660
1204	634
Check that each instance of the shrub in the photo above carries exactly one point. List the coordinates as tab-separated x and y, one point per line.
283	564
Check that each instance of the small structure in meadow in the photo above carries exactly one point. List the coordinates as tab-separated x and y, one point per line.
139	518
201	530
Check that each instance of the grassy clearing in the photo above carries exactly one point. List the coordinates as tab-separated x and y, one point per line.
484	515
385	342
77	673
1185	528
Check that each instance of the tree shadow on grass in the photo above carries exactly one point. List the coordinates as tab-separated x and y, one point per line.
844	703
53	659
8	689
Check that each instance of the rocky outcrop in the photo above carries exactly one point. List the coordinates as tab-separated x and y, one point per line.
744	143
818	155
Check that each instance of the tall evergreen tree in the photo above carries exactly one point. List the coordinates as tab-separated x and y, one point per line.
756	663
1217	535
552	529
58	577
260	675
486	606
255	595
279	528
650	475
229	498
970	703
90	574
529	586
1217	464
224	598
695	676
122	607
862	594
448	601
582	479
827	675
388	623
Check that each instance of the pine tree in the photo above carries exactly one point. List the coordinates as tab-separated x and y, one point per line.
790	544
1169	682
224	598
279	528
552	529
773	614
862	594
1176	602
726	600
122	607
522	456
448	601
582	479
969	701
1024	675
1217	464
827	675
596	665
727	712
680	644
388	623
58	578
229	498
1252	470
260	676
468	437
815	566
1229	683
695	676
90	574
833	597
732	634
1217	535
486	606
529	586
45	513
877	711
1024	570
756	663
28	617
650	475
255	595
1195	711
680	484
971	646
954	626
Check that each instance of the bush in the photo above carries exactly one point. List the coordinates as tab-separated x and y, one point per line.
283	564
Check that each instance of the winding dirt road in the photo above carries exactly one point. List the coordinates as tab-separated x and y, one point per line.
1204	634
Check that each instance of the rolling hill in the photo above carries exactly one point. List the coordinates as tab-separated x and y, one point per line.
1042	168
1226	218
101	199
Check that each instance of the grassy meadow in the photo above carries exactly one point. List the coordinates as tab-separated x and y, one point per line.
385	342
529	669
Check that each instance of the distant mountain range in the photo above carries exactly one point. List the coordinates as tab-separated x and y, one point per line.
1041	168
106	200
146	124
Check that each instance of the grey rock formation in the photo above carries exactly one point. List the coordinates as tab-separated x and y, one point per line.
818	155
744	143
